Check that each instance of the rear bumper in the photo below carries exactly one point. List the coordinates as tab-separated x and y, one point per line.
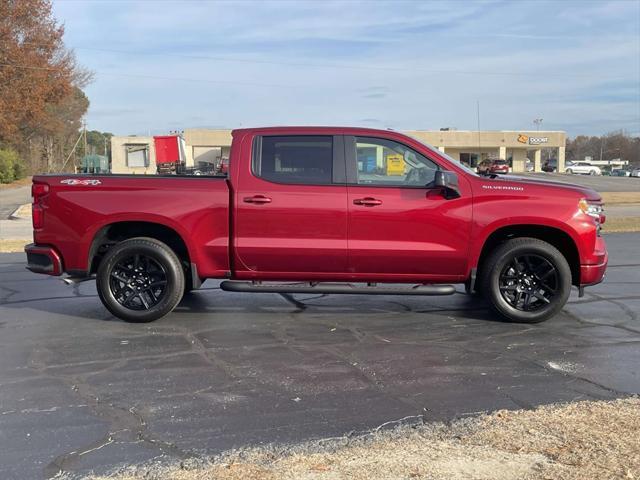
43	259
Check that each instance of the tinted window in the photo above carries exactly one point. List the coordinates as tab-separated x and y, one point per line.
388	163
295	159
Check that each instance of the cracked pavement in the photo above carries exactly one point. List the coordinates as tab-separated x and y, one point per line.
81	391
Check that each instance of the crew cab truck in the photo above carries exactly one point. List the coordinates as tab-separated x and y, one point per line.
330	210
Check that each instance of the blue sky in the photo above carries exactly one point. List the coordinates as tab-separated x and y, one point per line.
163	65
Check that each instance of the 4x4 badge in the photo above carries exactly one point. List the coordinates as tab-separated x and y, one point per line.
79	181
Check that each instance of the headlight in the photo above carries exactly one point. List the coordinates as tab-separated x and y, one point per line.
594	210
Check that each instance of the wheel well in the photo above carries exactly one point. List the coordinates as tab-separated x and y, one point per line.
559	239
114	233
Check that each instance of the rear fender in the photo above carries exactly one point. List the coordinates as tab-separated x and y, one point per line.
94	236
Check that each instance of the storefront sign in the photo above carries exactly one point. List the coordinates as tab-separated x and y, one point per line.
522	138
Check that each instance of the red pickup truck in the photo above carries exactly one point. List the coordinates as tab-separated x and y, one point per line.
330	210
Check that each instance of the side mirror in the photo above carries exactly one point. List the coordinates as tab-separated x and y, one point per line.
448	181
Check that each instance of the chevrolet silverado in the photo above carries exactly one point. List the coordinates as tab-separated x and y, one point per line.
319	209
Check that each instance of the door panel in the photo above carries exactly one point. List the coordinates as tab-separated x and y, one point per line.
297	228
399	222
412	232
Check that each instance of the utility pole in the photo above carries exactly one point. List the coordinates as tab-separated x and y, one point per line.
537	122
479	159
84	126
84	151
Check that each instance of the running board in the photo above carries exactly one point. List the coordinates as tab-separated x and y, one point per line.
325	288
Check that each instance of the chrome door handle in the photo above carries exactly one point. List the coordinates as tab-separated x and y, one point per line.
367	201
259	199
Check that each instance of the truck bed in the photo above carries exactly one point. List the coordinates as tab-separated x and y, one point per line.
78	207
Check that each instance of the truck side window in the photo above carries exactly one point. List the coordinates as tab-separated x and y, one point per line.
297	159
384	162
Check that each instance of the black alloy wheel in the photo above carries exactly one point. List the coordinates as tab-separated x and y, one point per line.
140	280
526	280
529	282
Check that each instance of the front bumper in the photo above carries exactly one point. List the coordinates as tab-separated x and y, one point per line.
43	259
592	274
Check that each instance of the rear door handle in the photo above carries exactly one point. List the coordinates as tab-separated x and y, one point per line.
259	199
367	201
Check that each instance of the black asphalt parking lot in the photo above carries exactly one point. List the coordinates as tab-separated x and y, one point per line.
82	391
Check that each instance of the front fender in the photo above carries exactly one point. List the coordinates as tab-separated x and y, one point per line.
482	233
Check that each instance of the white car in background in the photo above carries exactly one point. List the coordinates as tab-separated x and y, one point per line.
635	172
582	167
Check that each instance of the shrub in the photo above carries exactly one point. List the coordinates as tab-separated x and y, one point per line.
19	168
8	158
12	167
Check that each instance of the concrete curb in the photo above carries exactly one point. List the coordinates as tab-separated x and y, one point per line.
23	212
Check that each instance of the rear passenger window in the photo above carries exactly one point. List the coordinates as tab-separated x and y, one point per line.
294	159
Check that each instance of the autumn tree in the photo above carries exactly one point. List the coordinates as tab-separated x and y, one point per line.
40	82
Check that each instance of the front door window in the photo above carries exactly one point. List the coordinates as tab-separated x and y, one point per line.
387	163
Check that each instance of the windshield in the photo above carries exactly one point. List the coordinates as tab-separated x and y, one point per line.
451	159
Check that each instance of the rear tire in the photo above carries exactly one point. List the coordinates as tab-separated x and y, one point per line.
140	280
569	171
526	280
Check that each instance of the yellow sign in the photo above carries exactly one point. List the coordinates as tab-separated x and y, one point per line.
523	138
395	164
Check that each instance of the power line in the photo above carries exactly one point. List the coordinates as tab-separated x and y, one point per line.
158	77
325	65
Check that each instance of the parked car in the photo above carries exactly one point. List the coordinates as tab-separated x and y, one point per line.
548	167
529	167
499	166
635	172
582	168
301	211
620	172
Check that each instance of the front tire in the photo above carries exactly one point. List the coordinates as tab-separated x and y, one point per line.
569	171
592	172
140	280
526	280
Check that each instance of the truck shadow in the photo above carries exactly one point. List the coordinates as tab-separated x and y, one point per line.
210	303
205	301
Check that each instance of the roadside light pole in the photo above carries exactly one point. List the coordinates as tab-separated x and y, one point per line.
537	122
